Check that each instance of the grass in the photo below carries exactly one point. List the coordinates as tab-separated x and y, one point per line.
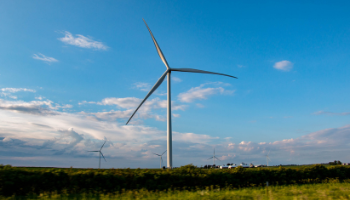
327	191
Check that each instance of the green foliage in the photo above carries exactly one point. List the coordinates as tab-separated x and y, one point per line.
335	162
324	191
22	181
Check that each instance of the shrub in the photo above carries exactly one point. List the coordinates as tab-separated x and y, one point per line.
22	181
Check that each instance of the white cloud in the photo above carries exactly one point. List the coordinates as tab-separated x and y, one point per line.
110	115
44	58
82	41
13	90
142	86
240	66
192	137
132	102
331	113
176	79
33	107
7	92
201	93
199	105
176	115
283	65
128	102
26	134
86	102
37	133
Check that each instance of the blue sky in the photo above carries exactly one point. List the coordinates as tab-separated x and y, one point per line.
73	72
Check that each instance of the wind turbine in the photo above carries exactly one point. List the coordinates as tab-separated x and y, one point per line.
158	83
267	158
161	159
100	153
214	157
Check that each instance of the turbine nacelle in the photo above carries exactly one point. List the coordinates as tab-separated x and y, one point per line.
100	154
161	159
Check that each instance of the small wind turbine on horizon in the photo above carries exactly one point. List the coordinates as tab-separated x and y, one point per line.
267	158
161	159
100	154
214	157
158	83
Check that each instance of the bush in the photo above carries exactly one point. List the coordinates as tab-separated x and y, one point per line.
22	181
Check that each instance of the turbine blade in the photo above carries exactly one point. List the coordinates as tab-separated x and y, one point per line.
164	152
93	151
198	71
158	83
210	158
103	156
160	53
103	145
217	158
156	154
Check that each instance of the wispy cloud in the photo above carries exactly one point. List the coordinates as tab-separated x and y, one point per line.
42	57
176	79
82	41
331	113
176	115
43	108
142	86
283	65
33	107
201	93
8	92
128	105
132	103
13	90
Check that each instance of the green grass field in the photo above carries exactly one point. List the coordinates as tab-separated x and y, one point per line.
312	191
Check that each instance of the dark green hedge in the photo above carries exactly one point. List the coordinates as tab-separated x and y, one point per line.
21	181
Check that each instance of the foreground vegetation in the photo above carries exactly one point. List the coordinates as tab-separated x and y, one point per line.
311	191
21	181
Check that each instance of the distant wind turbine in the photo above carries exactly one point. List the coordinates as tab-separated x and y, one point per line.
267	158
161	159
214	157
100	154
158	83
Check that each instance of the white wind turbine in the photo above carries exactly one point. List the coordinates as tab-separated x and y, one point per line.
214	157
100	154
158	83
267	158
161	159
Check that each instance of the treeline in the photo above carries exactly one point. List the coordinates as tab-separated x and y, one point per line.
17	181
335	162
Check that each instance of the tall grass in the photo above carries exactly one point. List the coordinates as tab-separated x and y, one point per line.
327	191
15	181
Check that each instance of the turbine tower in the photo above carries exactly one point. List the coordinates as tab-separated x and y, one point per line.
100	153
161	159
158	83
267	159
214	157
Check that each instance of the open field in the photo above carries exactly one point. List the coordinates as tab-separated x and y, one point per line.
327	191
